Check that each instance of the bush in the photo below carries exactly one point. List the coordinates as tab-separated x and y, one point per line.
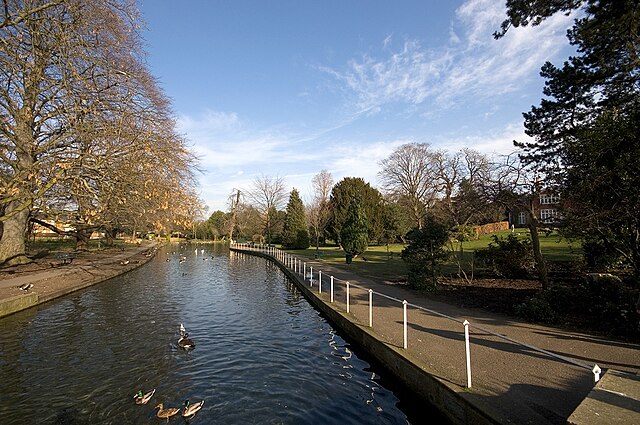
464	233
508	257
598	255
537	309
424	254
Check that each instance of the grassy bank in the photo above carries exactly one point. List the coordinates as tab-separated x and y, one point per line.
378	263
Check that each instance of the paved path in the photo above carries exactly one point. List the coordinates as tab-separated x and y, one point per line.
517	382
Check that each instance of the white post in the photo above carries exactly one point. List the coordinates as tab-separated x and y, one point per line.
295	265
331	288
304	271
311	278
596	373
347	296
467	351
404	307
319	281
370	308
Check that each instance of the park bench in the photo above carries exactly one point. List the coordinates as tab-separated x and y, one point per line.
65	257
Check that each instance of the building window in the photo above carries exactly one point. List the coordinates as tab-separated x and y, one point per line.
522	218
547	198
548	215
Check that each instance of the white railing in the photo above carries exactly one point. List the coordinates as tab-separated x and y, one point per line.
299	267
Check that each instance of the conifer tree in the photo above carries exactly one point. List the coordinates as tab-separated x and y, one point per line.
354	237
295	234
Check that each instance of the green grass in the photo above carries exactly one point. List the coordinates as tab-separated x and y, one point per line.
67	244
380	265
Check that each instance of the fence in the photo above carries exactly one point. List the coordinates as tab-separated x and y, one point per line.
299	267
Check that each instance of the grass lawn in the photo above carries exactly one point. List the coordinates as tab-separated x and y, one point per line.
379	264
68	244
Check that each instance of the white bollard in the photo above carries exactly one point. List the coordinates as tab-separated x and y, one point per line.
347	296
467	351
311	277
596	373
404	307
331	288
370	308
319	281
304	271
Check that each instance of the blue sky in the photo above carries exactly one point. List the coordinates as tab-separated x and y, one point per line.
288	88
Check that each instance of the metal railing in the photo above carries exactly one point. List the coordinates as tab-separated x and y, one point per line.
299	267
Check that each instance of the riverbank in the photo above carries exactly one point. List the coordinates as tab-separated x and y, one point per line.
56	275
522	373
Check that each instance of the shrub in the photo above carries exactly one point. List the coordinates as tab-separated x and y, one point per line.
537	309
424	254
464	233
508	257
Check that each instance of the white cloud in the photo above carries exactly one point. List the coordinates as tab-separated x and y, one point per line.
494	142
472	64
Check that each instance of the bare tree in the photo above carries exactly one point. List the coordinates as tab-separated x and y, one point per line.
513	185
318	212
84	124
409	176
268	196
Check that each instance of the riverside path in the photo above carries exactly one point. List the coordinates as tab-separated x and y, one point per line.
529	374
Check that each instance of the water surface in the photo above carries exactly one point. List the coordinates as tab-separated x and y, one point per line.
263	354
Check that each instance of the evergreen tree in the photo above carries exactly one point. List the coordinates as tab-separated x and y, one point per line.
341	198
586	129
295	234
425	252
354	238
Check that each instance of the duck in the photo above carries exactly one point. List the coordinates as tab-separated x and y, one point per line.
183	331
25	286
189	410
166	413
124	262
143	398
185	343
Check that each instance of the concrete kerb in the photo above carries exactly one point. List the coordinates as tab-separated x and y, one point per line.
17	303
452	400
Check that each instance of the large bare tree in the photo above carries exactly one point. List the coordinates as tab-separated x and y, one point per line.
268	195
318	212
86	132
410	177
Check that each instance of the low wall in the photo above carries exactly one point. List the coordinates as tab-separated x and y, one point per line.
485	229
17	303
449	399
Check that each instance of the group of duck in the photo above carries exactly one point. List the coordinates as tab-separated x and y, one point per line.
189	409
184	341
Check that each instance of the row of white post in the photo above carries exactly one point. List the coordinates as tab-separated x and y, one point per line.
297	266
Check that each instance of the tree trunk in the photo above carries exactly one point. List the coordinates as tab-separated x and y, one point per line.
13	240
110	236
541	266
82	239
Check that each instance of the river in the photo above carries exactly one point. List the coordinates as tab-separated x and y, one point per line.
263	355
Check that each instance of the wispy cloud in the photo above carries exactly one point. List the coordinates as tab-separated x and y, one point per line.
472	63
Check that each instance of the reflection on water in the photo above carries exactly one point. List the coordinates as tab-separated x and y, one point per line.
263	355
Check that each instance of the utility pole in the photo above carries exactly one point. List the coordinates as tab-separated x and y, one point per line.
234	213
